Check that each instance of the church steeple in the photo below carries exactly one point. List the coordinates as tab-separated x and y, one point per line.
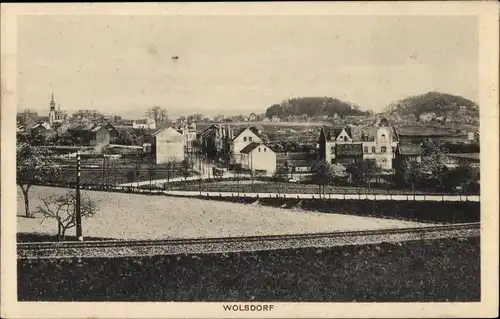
52	102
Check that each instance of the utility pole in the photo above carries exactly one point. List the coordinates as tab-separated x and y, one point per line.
77	208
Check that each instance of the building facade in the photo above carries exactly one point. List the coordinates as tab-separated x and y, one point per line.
145	124
242	140
167	146
258	157
340	145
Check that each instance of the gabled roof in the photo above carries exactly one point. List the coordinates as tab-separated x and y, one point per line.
163	129
331	133
253	129
250	147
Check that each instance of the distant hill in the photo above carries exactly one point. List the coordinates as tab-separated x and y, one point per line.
442	104
313	106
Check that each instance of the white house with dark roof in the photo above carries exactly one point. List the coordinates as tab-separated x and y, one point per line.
257	156
147	124
243	139
167	145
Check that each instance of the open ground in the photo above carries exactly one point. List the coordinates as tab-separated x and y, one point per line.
133	216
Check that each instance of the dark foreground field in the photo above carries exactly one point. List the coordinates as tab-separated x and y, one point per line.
436	270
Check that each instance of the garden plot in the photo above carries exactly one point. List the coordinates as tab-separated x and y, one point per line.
132	216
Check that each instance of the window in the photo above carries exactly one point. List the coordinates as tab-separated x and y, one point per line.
332	161
250	139
259	149
244	138
383	149
365	149
373	149
265	149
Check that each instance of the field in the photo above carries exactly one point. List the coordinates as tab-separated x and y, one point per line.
435	270
132	216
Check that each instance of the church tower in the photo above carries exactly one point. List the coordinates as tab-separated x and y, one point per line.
52	111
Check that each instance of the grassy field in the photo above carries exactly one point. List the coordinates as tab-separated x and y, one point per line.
437	270
132	216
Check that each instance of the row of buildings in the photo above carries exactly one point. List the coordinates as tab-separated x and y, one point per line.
57	117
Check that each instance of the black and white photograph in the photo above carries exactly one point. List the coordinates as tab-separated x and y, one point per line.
242	160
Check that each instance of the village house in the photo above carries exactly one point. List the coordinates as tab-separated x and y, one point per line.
167	145
340	144
242	140
257	156
92	134
101	137
39	127
189	133
215	142
145	124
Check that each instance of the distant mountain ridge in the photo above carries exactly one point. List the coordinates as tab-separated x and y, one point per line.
442	104
313	106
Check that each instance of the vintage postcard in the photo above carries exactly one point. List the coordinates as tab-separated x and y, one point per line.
256	160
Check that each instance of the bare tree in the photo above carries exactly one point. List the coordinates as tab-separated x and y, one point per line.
62	208
158	114
33	166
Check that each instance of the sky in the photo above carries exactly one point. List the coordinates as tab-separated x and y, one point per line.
240	64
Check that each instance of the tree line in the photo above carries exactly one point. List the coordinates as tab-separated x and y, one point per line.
313	107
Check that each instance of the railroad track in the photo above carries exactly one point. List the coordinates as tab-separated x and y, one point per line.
117	248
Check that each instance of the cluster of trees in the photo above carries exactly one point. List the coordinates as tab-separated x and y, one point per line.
439	103
292	147
431	171
313	106
132	137
158	114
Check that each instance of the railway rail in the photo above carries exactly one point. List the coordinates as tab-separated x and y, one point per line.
124	248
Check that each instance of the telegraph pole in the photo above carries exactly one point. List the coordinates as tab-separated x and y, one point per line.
77	208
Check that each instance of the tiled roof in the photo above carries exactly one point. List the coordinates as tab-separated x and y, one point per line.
250	147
